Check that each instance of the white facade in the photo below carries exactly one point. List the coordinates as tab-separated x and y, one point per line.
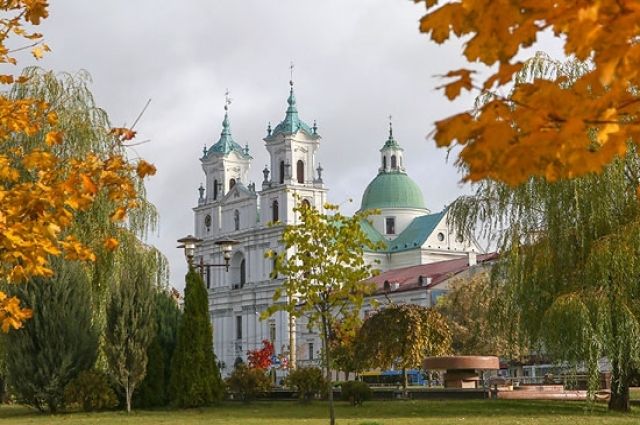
231	207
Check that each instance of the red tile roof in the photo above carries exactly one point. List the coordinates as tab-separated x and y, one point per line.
408	278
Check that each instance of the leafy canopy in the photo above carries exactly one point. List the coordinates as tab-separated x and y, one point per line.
41	194
543	128
402	335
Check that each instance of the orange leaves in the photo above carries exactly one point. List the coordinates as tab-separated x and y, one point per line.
110	244
559	125
145	169
452	90
123	134
53	138
11	314
38	51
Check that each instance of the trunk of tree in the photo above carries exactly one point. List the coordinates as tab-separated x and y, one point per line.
405	379
128	397
619	400
327	358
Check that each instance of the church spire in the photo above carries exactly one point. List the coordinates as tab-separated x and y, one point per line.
391	154
225	143
292	123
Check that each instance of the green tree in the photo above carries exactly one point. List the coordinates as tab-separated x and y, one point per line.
569	257
402	335
477	316
130	321
58	343
195	378
324	273
153	390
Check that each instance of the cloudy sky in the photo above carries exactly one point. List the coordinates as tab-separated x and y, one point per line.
356	62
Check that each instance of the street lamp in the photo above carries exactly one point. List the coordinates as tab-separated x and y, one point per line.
189	243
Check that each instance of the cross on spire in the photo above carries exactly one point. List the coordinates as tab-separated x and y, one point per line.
390	125
227	100
291	66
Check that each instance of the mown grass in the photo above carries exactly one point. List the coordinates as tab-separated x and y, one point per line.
372	413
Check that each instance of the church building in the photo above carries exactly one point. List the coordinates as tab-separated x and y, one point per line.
231	207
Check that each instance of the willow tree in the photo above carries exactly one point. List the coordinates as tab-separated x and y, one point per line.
87	131
402	335
324	274
569	258
480	321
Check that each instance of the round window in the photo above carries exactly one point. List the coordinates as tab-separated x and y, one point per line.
207	220
440	236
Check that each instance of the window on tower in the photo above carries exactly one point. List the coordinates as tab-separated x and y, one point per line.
281	172
306	203
215	189
232	182
275	216
300	171
238	327
390	225
394	163
384	162
243	273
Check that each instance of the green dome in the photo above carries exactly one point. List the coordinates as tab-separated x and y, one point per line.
392	190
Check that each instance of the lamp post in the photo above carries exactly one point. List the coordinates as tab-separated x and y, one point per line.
189	244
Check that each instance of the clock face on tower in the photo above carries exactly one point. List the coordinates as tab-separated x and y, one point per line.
207	220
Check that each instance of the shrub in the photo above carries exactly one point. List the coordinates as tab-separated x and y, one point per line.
91	390
356	392
248	382
308	382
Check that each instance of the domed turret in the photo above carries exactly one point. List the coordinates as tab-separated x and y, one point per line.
392	190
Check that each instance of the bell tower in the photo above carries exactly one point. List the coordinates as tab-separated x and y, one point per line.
293	171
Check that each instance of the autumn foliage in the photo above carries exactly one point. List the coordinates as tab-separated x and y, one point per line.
40	193
554	128
260	358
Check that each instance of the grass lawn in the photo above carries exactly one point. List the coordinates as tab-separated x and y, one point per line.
493	412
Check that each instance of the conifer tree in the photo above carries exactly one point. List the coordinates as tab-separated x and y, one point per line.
130	325
195	378
153	390
58	343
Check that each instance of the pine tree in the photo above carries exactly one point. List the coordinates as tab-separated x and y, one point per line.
195	378
153	390
130	322
58	343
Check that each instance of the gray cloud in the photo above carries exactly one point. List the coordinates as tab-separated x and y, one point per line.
356	62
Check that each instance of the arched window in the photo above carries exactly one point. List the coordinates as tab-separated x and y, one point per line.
215	189
384	162
306	203
243	272
236	220
232	182
300	171
281	172
275	216
393	162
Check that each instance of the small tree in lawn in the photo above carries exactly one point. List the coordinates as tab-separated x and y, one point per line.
130	325
403	335
324	271
195	379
